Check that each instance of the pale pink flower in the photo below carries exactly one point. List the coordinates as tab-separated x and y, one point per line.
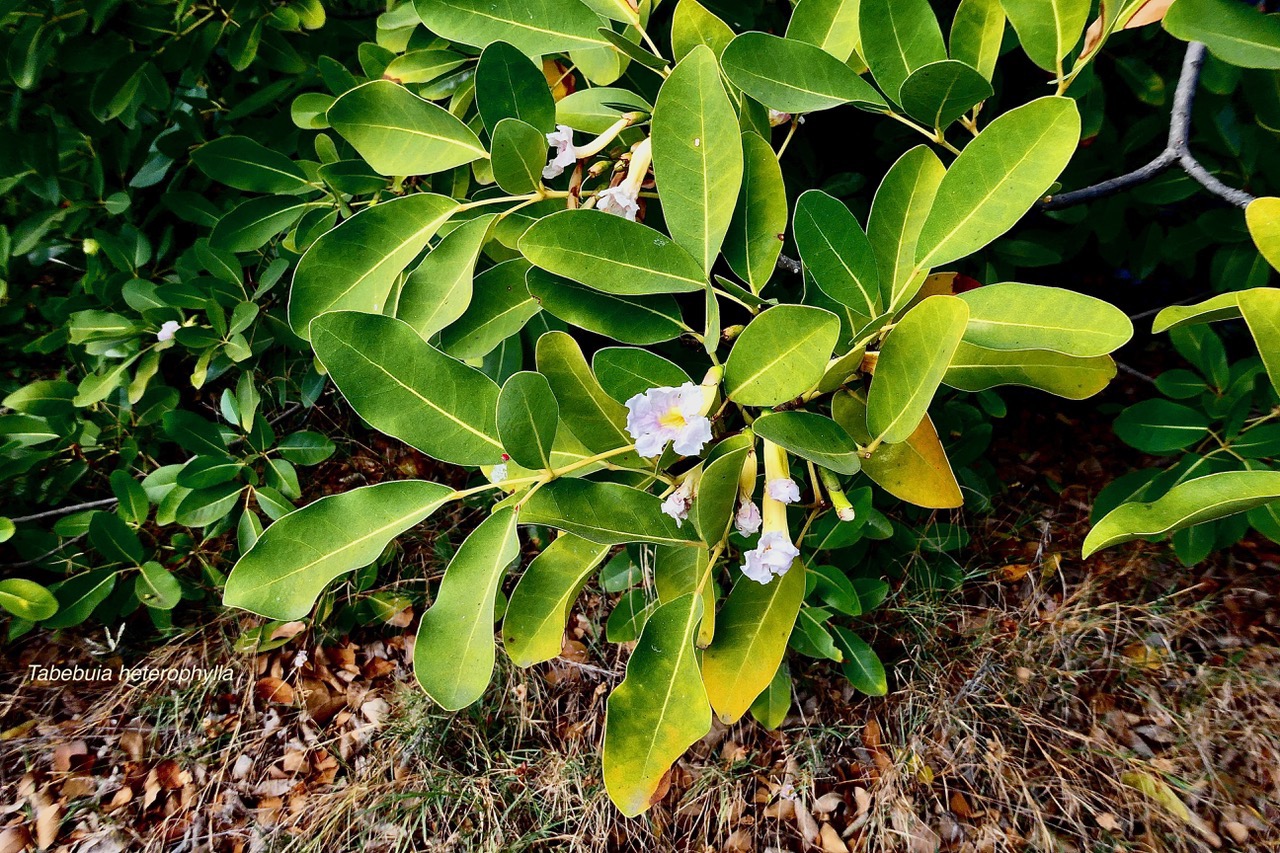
783	490
620	201
677	503
167	330
565	154
776	118
747	519
498	473
660	415
773	556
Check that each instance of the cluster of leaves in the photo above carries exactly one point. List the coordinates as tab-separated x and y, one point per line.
543	324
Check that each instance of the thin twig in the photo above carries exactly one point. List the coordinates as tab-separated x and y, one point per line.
63	510
1177	150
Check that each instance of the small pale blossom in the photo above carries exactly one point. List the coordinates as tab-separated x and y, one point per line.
777	117
783	490
846	513
677	503
747	519
498	473
564	156
620	201
787	791
773	556
167	330
660	415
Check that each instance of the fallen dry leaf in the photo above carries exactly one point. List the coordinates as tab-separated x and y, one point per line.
273	689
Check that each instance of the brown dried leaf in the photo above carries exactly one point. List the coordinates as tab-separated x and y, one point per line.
273	689
830	840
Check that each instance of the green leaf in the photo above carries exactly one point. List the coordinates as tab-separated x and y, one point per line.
976	34
305	448
296	557
916	470
751	639
408	389
533	628
203	507
770	707
693	25
628	617
1263	218
27	599
911	365
811	436
156	587
240	162
629	319
1160	426
1233	32
593	110
534	27
354	266
940	92
398	133
114	540
1261	310
898	36
624	372
611	254
1047	29
598	420
659	710
829	24
453	656
510	85
46	398
975	368
1224	306
133	506
1188	503
997	178
500	307
1029	317
423	66
794	77
753	243
837	253
717	496
80	595
898	213
439	290
251	225
697	155
810	636
834	588
519	153
780	355
528	418
862	666
605	513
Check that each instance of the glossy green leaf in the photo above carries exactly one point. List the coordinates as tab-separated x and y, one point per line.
533	627
593	110
80	595
717	495
354	266
156	587
611	254
1263	218
407	388
453	656
829	24
629	319
898	36
697	155
1005	170
605	513
1160	426
837	253
833	587
1233	32
510	85
114	540
423	66
754	240
528	418
1047	29
27	599
398	133
659	710
439	290
519	153
295	558
1188	503
780	355
598	420
911	365
811	637
975	368
1260	308
751	638
771	707
793	76
861	664
898	213
976	34
252	224
627	619
939	93
1224	306
500	307
624	372
533	26
692	24
133	505
240	162
811	436
1027	317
